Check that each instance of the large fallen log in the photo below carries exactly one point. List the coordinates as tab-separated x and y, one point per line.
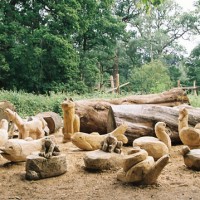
141	119
93	113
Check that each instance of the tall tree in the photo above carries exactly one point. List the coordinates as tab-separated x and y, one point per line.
36	45
97	40
193	66
65	45
151	78
157	32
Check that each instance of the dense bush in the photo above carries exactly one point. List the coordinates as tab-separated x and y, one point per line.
194	100
151	78
28	104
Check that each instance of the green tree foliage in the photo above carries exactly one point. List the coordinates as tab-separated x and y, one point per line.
73	45
152	35
157	32
36	48
193	66
193	61
97	39
151	78
57	45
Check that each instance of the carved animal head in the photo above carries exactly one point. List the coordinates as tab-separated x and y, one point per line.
4	124
78	137
110	139
79	140
48	142
182	114
67	104
120	133
12	148
48	138
10	114
160	126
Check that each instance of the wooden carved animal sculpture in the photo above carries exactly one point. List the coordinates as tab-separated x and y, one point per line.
33	128
111	144
71	120
156	147
49	148
138	167
3	132
189	136
93	141
191	158
16	150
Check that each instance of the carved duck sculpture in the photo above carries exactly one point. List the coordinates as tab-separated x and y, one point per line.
138	167
189	136
156	147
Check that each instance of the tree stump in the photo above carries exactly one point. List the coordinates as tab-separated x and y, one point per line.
54	120
39	167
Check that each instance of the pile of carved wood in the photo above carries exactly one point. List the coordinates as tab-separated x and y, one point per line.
140	112
54	120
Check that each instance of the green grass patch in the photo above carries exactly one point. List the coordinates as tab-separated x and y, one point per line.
28	104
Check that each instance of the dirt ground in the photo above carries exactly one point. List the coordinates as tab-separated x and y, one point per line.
175	181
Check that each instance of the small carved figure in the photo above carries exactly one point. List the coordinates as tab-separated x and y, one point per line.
33	128
49	148
189	136
13	131
71	120
111	144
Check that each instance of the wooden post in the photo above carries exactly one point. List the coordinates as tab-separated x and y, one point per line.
179	83
117	84
195	88
112	84
111	90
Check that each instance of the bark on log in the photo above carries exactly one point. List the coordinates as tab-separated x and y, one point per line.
54	120
141	119
93	113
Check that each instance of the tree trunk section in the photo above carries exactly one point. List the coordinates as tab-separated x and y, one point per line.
54	120
141	119
93	113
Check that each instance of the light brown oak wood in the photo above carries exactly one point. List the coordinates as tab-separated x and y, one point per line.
93	113
141	119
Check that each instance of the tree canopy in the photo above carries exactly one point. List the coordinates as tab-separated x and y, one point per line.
75	45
